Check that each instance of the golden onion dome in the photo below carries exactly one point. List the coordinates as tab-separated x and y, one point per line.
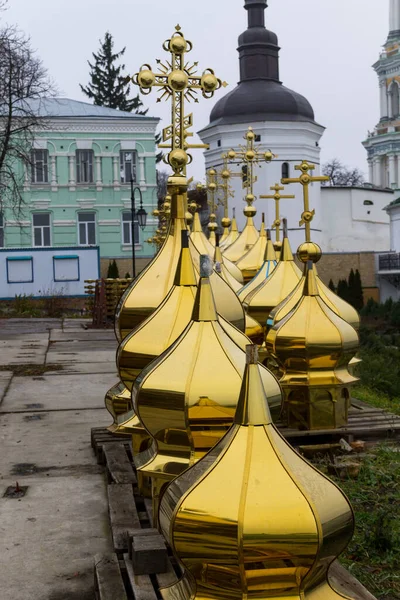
226	223
275	289
244	242
220	267
252	261
149	289
203	246
314	347
233	234
265	271
306	252
186	399
164	325
253	519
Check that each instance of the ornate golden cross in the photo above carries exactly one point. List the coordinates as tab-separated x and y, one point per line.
277	197
305	179
177	79
226	175
250	155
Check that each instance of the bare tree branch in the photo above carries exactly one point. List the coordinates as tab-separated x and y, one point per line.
342	176
23	83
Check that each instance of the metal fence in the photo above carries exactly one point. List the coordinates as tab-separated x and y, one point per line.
389	262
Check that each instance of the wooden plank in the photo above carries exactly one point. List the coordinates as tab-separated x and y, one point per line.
149	509
343	582
141	585
108	580
168	578
118	464
123	514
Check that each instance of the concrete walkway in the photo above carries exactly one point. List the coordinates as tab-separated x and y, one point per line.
49	537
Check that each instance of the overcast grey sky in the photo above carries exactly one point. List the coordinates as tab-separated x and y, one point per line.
327	52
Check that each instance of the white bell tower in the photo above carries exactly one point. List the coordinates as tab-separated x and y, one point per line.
383	143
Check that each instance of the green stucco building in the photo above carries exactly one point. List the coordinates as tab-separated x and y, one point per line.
77	189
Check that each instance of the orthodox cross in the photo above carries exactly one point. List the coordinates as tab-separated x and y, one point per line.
305	180
177	79
277	197
212	188
226	175
251	156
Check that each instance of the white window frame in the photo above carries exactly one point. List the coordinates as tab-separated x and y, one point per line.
80	164
41	228
86	224
37	169
137	229
122	166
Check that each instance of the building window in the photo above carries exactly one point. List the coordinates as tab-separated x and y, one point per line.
219	143
1	230
394	101
39	166
257	138
127	228
41	229
87	229
285	170
368	203
128	169
84	166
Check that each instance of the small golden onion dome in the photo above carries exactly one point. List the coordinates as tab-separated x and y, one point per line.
189	218
276	288
265	271
164	326
243	243
186	399
306	252
226	222
252	261
204	246
233	235
253	519
314	346
150	288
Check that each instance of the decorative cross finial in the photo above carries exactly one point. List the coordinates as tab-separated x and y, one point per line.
305	179
177	80
277	197
226	174
212	188
250	155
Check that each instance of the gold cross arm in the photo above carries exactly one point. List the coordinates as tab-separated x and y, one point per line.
277	197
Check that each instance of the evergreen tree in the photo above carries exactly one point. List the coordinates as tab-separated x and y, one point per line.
343	289
351	288
332	286
358	291
127	275
113	272
108	86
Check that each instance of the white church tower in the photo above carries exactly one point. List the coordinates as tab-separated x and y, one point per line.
383	144
283	122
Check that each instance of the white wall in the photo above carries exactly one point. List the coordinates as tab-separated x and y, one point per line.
72	267
292	142
394	215
349	225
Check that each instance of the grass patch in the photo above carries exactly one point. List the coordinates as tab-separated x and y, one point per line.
373	555
377	399
31	370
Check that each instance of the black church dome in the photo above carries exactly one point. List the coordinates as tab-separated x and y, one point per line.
260	96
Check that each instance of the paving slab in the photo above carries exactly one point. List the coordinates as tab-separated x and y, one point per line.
53	393
91	334
89	368
54	357
10	328
70	346
23	355
76	323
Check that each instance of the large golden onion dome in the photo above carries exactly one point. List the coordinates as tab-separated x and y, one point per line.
253	519
233	234
246	239
314	347
252	261
265	271
275	289
220	267
149	289
310	251
164	325
186	399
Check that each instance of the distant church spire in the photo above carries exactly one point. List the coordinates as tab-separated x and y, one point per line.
258	47
394	18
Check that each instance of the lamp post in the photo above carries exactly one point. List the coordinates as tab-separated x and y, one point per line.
141	215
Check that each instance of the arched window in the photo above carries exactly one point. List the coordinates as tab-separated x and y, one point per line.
285	170
394	100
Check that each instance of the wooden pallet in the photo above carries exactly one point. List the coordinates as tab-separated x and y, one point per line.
100	437
131	517
365	422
